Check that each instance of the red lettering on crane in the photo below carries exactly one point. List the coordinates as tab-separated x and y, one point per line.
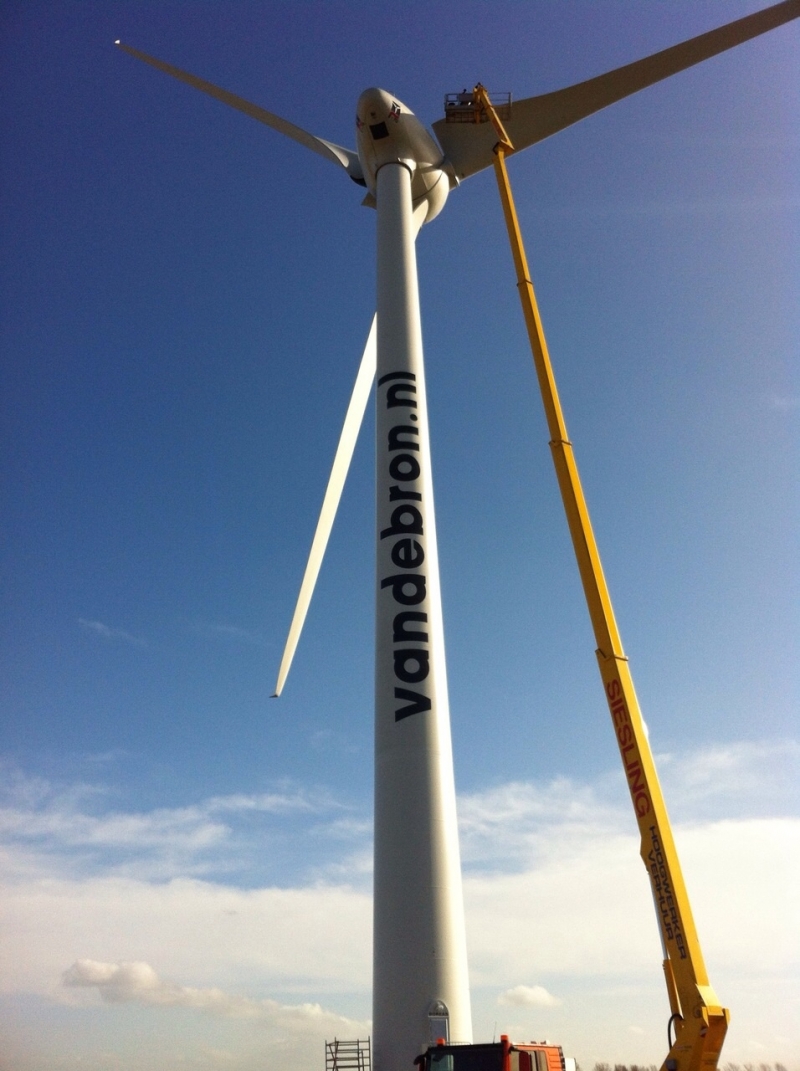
626	739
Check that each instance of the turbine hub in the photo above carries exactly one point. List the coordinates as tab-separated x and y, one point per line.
387	132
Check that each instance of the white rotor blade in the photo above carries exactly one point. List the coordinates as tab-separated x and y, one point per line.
469	147
341	463
337	154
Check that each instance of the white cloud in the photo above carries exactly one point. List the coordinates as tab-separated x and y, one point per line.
745	778
307	941
522	825
784	403
582	906
137	982
72	827
512	826
554	890
109	633
187	827
105	758
531	996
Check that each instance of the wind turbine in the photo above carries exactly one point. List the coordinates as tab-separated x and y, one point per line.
420	979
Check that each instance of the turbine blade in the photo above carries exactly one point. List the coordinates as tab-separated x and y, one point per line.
469	147
341	463
346	158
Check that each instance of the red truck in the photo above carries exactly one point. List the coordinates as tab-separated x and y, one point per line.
499	1055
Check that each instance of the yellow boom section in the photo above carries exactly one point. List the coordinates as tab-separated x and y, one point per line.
700	1021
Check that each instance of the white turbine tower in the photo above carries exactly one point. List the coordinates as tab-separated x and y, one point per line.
420	980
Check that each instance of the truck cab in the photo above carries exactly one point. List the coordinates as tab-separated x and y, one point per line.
499	1055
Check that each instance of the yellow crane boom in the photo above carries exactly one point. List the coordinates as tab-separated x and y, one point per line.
700	1020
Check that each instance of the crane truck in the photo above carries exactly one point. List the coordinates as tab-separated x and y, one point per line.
697	1022
499	1055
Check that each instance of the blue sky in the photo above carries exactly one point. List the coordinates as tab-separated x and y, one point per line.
185	297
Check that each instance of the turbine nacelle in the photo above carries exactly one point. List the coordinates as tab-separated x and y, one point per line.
387	132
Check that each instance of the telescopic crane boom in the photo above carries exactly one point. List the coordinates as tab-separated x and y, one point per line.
699	1019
